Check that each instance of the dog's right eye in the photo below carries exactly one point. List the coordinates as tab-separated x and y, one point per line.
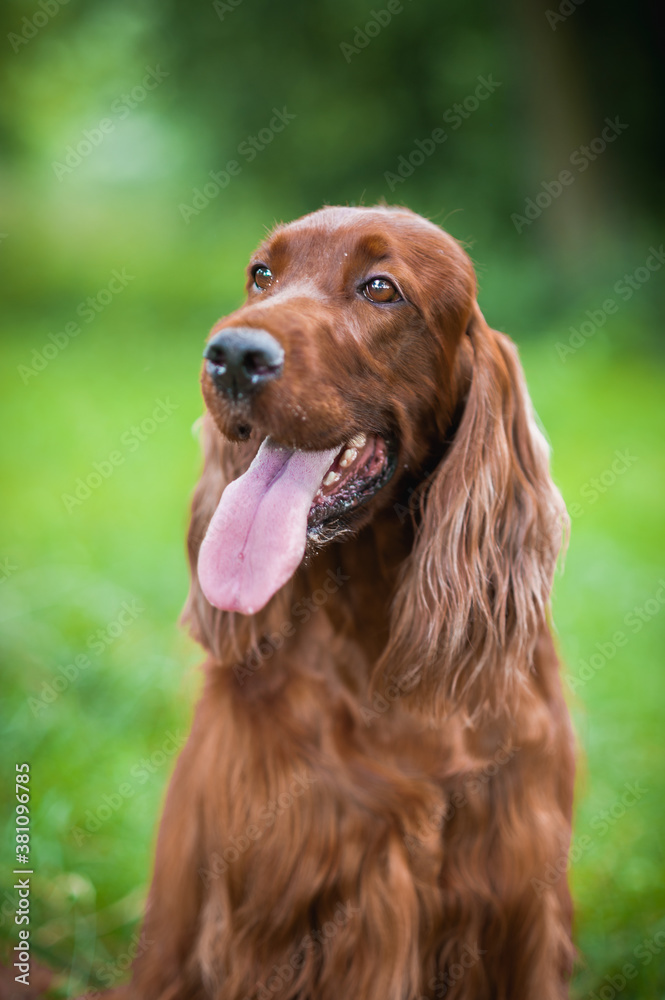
263	277
381	290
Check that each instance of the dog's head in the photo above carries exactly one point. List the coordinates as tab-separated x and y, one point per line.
359	366
342	362
350	328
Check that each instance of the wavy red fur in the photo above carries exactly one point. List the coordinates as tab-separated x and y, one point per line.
378	782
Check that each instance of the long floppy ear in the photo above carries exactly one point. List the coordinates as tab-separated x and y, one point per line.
474	592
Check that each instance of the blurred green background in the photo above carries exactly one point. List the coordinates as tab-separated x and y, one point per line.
119	250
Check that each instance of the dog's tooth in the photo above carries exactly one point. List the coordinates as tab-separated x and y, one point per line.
349	456
332	477
359	441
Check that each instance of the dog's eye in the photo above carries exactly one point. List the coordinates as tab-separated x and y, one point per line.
263	278
381	290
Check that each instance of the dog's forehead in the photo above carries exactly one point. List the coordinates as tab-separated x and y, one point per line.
332	234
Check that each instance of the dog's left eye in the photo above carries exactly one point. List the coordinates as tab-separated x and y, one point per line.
381	290
263	278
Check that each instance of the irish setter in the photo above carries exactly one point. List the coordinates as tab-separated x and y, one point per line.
375	799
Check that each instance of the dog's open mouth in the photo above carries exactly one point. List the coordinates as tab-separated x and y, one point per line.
360	469
258	535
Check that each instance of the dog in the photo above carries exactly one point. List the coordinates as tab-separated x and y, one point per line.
375	799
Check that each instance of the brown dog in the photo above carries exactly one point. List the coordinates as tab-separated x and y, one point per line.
378	782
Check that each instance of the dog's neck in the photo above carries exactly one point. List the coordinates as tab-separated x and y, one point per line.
367	570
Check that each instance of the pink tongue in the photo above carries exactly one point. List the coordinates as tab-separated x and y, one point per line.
257	536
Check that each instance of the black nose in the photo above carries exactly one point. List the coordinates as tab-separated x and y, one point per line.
241	359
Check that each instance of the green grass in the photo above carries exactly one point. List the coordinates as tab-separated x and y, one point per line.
69	572
593	408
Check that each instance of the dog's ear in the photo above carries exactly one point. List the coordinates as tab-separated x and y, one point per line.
223	461
474	592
